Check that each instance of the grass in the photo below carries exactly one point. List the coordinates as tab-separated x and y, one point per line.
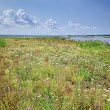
2	42
54	74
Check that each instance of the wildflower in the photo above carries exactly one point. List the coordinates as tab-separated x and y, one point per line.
93	88
92	79
104	95
104	89
107	90
51	93
28	108
85	90
99	85
39	96
79	94
99	89
87	97
108	100
47	81
79	89
96	106
56	85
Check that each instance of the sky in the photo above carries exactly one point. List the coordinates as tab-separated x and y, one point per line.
54	17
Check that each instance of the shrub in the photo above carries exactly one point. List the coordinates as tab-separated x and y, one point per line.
2	42
92	44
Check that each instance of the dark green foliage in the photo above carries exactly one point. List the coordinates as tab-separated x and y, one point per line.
2	42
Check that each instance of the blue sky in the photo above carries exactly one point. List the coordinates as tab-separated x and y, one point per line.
54	17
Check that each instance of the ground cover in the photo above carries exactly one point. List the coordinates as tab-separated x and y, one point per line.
54	74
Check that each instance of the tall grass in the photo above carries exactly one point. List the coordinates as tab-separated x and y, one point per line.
54	74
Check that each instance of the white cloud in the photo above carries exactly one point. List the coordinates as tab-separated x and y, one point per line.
73	25
9	13
13	18
23	17
78	26
19	20
51	24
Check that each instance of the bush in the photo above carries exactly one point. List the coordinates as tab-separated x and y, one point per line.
2	42
92	44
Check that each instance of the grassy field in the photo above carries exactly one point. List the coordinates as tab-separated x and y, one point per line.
54	74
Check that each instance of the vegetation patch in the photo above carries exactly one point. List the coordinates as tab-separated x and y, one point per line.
54	74
94	44
2	42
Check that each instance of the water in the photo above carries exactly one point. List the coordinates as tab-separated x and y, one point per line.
103	38
100	38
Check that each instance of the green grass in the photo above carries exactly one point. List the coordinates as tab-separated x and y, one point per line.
54	74
2	42
94	44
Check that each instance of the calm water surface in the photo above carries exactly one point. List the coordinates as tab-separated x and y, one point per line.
100	38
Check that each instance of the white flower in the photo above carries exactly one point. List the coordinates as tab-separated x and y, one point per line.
85	90
108	100
104	95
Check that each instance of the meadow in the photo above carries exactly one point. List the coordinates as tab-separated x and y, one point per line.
54	74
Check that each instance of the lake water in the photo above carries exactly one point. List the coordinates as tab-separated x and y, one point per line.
100	38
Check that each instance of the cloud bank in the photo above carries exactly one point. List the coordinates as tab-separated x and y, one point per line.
20	22
13	18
